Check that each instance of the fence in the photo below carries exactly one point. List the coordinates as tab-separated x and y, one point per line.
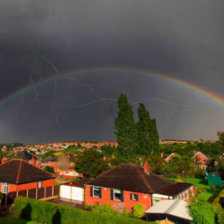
38	193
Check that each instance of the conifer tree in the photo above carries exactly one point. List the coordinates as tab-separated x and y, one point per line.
143	129
154	137
148	137
125	129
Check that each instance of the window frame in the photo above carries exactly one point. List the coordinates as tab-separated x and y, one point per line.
117	191
134	197
95	188
5	188
39	184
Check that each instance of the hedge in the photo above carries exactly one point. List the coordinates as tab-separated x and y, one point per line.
52	213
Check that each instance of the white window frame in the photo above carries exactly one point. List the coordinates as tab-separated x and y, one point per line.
5	188
39	184
118	192
96	189
133	197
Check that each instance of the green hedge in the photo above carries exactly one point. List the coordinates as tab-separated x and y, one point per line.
52	213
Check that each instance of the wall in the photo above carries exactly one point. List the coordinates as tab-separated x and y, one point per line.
144	199
28	186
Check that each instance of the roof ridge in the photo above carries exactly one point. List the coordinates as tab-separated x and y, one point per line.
103	174
37	167
172	182
142	176
18	174
173	206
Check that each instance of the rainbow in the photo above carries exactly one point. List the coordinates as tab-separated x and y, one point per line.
195	88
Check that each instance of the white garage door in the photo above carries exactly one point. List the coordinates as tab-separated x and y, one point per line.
77	194
65	192
72	193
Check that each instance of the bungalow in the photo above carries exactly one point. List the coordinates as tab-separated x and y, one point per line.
17	175
200	159
127	185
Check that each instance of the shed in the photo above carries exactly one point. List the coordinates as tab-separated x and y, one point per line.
214	179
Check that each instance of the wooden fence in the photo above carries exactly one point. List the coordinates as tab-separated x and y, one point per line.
38	193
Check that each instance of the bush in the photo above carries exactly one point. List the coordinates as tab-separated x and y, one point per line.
138	210
202	213
51	213
49	169
104	209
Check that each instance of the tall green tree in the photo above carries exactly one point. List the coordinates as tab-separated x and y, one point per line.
148	137
154	136
221	138
143	129
90	163
125	129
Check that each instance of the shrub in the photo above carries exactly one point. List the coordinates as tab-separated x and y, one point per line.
202	213
49	169
104	209
51	213
138	210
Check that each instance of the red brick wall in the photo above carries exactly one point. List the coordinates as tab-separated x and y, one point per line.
28	186
144	199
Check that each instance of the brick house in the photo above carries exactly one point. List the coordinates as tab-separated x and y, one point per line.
127	185
200	159
17	175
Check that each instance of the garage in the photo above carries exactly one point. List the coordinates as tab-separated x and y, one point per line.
72	191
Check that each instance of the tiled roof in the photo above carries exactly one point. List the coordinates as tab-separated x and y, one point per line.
19	171
175	189
131	178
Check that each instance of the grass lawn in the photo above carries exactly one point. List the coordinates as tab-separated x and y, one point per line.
11	220
207	193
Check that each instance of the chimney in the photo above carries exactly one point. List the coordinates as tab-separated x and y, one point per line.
146	168
33	162
161	154
38	164
4	160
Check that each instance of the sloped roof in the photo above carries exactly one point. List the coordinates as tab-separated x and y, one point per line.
177	208
175	189
19	171
131	178
26	155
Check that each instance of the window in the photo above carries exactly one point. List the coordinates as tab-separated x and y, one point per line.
117	195
134	197
39	184
5	188
97	192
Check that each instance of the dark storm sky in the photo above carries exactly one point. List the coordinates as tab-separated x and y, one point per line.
45	39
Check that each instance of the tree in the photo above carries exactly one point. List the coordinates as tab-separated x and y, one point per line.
148	137
221	138
143	129
156	164
125	129
202	213
154	136
90	163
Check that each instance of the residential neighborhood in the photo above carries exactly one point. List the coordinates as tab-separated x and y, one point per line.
111	112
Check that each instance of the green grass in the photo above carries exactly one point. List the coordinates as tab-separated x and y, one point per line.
11	220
